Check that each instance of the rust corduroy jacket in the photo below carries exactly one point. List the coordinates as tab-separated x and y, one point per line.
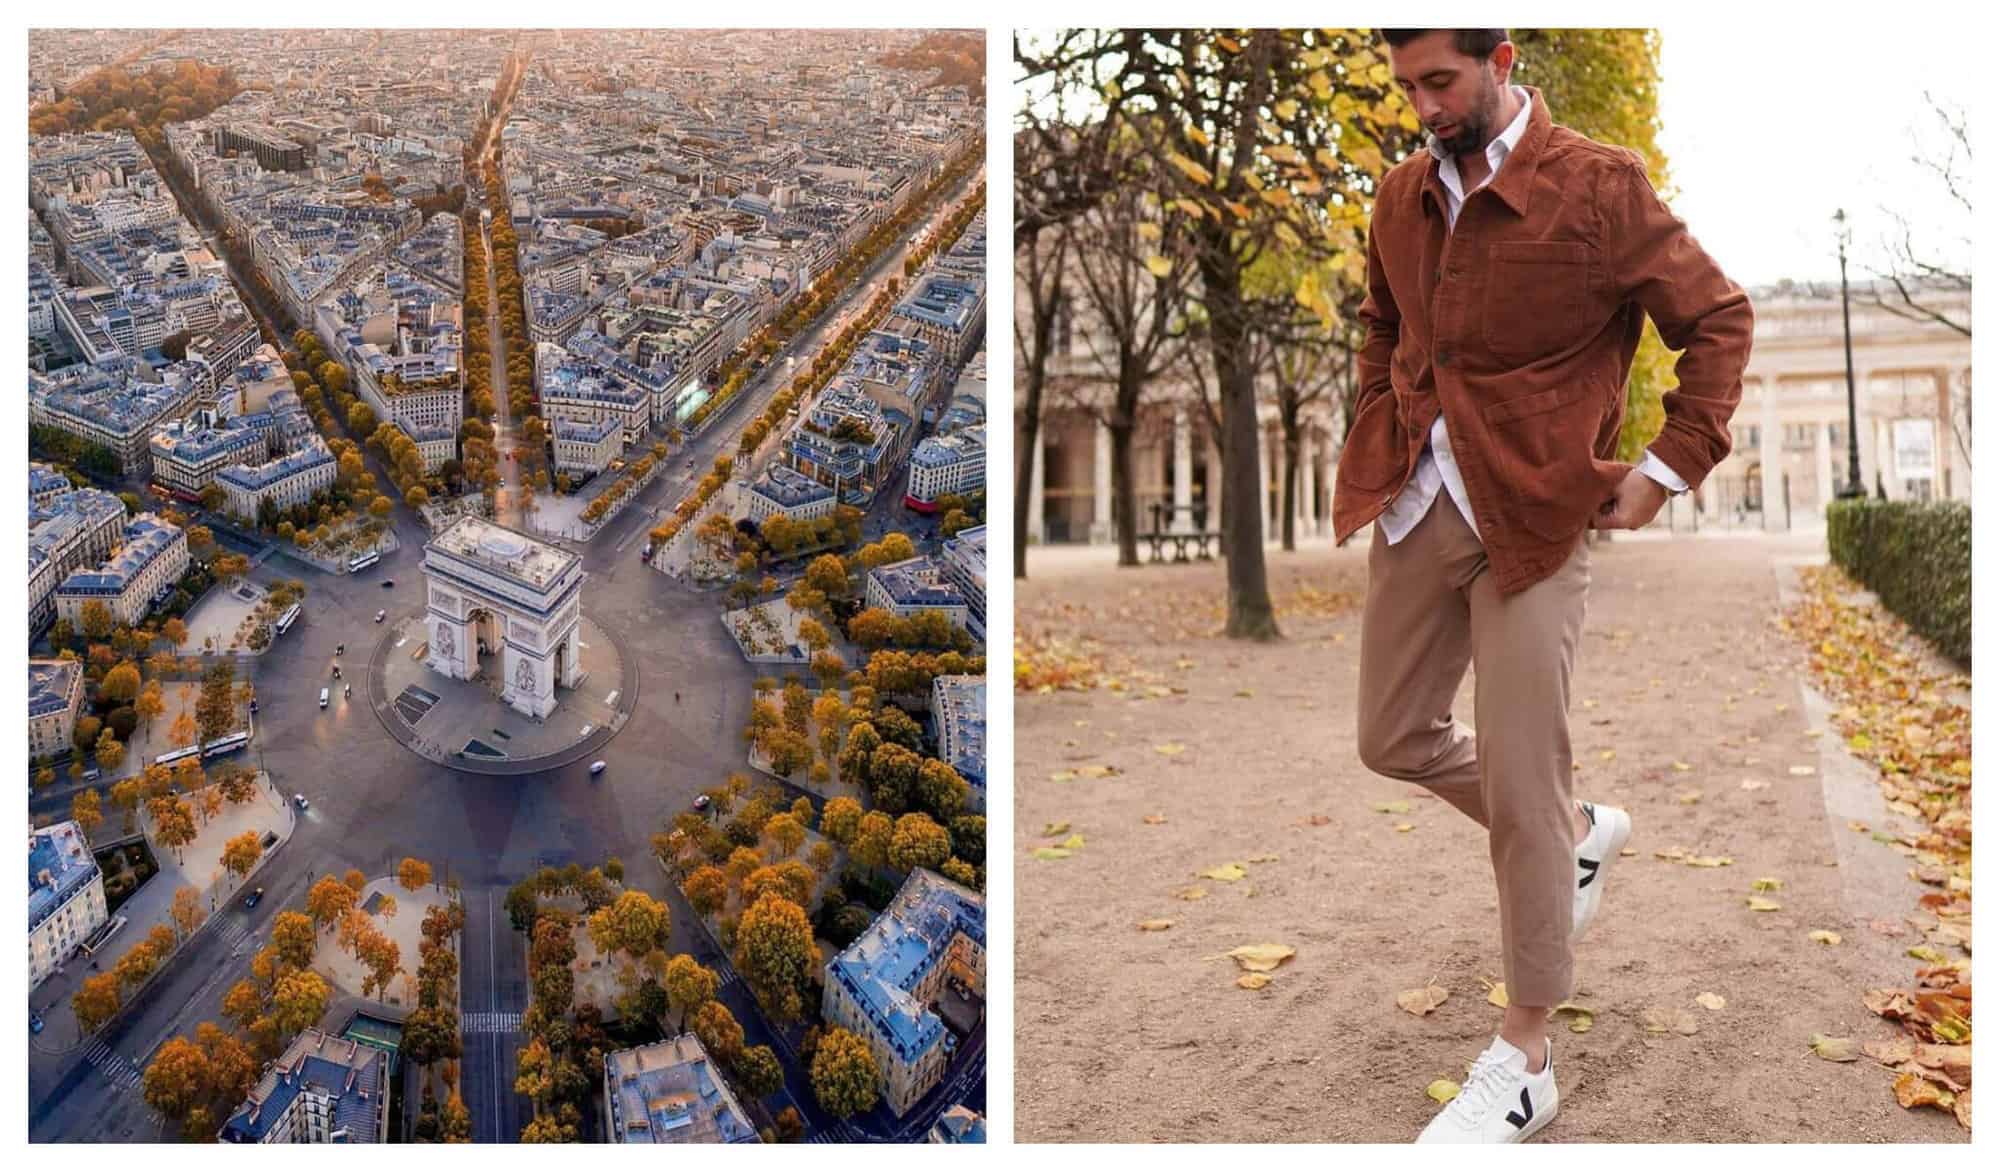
1520	325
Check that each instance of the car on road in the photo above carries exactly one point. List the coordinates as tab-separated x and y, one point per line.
380	615
34	1022
701	801
253	708
299	800
339	647
596	767
388	582
251	900
91	774
336	671
322	697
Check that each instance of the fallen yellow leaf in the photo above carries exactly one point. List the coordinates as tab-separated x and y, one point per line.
1155	925
1154	819
1758	903
1766	883
1914	1090
1608	755
1682	767
1443	1090
1688	797
1753	783
1836	1049
1496	992
1405	827
1422	1001
1055	829
1253	980
1170	749
1051	852
1073	843
1709	861
1390	807
1822	936
1710	1001
1227	872
1063	775
1802	771
1191	893
1097	771
1258	958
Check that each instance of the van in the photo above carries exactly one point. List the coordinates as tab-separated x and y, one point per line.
322	697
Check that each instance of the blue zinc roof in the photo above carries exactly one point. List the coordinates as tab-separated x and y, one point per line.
943	302
59	866
146	538
917	582
255	478
355	1088
899	949
790	488
49	683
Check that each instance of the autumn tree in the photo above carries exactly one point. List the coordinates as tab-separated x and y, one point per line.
840	820
872	840
413	874
707	889
634	924
240	854
761	1074
96	1001
785	830
328	902
845	1078
718	1030
775	953
187	911
86	810
689	985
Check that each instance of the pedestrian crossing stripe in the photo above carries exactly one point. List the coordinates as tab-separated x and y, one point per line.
490	1023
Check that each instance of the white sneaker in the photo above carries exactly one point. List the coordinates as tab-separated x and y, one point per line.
1610	828
1500	1103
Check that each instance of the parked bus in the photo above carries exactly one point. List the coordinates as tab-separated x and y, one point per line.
362	562
173	755
286	620
228	744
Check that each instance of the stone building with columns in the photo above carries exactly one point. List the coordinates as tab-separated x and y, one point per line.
494	592
1913	394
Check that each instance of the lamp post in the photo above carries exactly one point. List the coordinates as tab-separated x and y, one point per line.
1853	489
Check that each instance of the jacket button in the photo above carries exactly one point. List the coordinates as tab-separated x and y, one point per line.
1444	357
1437	274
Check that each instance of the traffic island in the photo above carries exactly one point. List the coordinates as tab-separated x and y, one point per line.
467	726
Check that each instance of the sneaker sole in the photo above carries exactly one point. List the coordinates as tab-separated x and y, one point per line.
1540	1120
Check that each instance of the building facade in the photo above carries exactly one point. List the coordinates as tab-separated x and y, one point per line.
885	985
55	693
135	579
65	897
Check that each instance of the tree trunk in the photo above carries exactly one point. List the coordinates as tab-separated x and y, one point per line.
1291	427
1124	501
1250	613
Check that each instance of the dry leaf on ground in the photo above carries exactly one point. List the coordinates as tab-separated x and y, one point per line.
1709	861
1051	852
1758	903
1822	936
1390	807
1496	992
1660	1020
1191	893
1914	1090
1891	1051
1802	771
1154	819
1258	958
1766	883
1054	829
1155	925
1226	873
1443	1090
1253	980
1710	1000
1422	1001
1171	749
1836	1049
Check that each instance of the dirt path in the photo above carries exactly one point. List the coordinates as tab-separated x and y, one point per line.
1125	1035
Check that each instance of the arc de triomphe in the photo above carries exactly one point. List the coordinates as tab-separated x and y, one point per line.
493	591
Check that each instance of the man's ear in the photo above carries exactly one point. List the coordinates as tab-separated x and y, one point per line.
1502	62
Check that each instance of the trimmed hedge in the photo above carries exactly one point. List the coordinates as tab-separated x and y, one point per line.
1917	558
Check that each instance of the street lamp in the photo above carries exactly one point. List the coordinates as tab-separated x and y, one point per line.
1853	489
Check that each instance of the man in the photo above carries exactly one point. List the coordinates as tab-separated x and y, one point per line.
1510	270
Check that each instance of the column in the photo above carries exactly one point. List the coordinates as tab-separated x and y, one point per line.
1038	474
1958	390
1770	453
1183	471
1100	517
1822	468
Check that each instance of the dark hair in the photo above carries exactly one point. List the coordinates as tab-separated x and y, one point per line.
1470	42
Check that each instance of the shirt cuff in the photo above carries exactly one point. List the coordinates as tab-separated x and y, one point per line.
1657	469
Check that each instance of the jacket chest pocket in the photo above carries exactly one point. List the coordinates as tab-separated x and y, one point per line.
1537	299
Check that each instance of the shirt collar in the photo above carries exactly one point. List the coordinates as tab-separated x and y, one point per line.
1496	151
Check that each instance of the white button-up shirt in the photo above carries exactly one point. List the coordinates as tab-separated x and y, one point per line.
1435	466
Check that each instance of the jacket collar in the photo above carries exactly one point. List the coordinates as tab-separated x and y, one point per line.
1516	178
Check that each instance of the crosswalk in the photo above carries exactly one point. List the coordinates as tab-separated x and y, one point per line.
731	978
231	932
490	1023
840	1133
120	1072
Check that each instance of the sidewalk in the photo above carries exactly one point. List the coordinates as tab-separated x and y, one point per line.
1684	690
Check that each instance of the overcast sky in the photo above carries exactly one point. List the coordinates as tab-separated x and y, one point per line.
1767	131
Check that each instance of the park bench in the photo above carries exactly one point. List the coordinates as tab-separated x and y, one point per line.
1200	536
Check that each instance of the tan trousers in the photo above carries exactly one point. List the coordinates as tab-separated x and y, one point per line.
1433	608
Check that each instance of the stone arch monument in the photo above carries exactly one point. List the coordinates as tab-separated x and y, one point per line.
492	591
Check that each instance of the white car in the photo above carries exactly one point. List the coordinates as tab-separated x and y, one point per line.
380	615
300	799
596	767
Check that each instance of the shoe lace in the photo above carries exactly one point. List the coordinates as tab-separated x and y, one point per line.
1482	1085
